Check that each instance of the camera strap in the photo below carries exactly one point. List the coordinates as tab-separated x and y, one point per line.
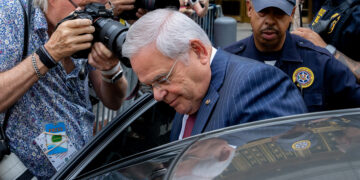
25	48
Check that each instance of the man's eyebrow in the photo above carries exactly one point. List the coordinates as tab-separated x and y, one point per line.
156	78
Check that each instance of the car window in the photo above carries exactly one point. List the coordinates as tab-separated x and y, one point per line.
315	147
149	130
153	168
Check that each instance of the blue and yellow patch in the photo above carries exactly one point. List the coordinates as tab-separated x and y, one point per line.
335	19
301	145
318	16
304	76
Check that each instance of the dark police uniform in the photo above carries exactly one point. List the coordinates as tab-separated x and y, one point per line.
324	81
338	23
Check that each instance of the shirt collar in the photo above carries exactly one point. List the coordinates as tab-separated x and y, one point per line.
213	52
290	53
39	20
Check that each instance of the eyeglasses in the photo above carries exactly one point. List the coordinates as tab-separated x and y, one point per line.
162	79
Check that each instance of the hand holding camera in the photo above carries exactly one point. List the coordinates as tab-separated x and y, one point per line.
70	37
101	57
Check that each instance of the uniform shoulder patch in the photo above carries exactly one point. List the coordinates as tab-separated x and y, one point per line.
303	77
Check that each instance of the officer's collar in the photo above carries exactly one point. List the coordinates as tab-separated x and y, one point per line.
289	54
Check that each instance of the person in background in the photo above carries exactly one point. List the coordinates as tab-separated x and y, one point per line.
337	29
45	94
200	7
316	5
121	6
208	88
324	82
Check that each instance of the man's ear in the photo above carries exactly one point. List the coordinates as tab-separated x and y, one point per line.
200	50
248	8
292	14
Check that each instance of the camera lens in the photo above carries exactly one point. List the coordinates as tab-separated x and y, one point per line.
112	34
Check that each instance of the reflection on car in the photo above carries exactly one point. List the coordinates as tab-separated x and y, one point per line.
136	145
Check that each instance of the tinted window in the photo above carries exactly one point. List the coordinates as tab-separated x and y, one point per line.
150	129
152	169
318	148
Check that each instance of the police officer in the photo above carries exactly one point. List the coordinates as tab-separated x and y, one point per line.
338	23
336	28
324	82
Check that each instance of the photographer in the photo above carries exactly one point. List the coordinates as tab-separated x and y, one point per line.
48	88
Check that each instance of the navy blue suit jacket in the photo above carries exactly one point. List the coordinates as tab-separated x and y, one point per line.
242	90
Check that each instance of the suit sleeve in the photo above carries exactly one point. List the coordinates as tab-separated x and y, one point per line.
266	92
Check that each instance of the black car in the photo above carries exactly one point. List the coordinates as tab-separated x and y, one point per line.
136	145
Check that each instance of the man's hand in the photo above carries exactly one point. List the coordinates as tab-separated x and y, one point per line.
102	58
310	35
140	12
204	2
122	5
111	94
70	36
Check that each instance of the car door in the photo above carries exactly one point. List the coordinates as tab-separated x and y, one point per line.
144	125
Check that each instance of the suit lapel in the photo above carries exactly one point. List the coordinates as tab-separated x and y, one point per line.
205	110
176	127
218	69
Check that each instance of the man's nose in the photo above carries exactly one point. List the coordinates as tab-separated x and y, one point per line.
270	19
159	93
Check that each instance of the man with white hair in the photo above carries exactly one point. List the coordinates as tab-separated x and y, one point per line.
45	93
209	88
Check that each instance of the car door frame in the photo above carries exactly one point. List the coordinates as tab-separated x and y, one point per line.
85	155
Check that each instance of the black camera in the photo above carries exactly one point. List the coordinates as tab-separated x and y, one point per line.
108	31
149	5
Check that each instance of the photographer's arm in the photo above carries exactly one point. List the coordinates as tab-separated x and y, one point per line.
16	81
316	39
70	37
353	65
111	94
